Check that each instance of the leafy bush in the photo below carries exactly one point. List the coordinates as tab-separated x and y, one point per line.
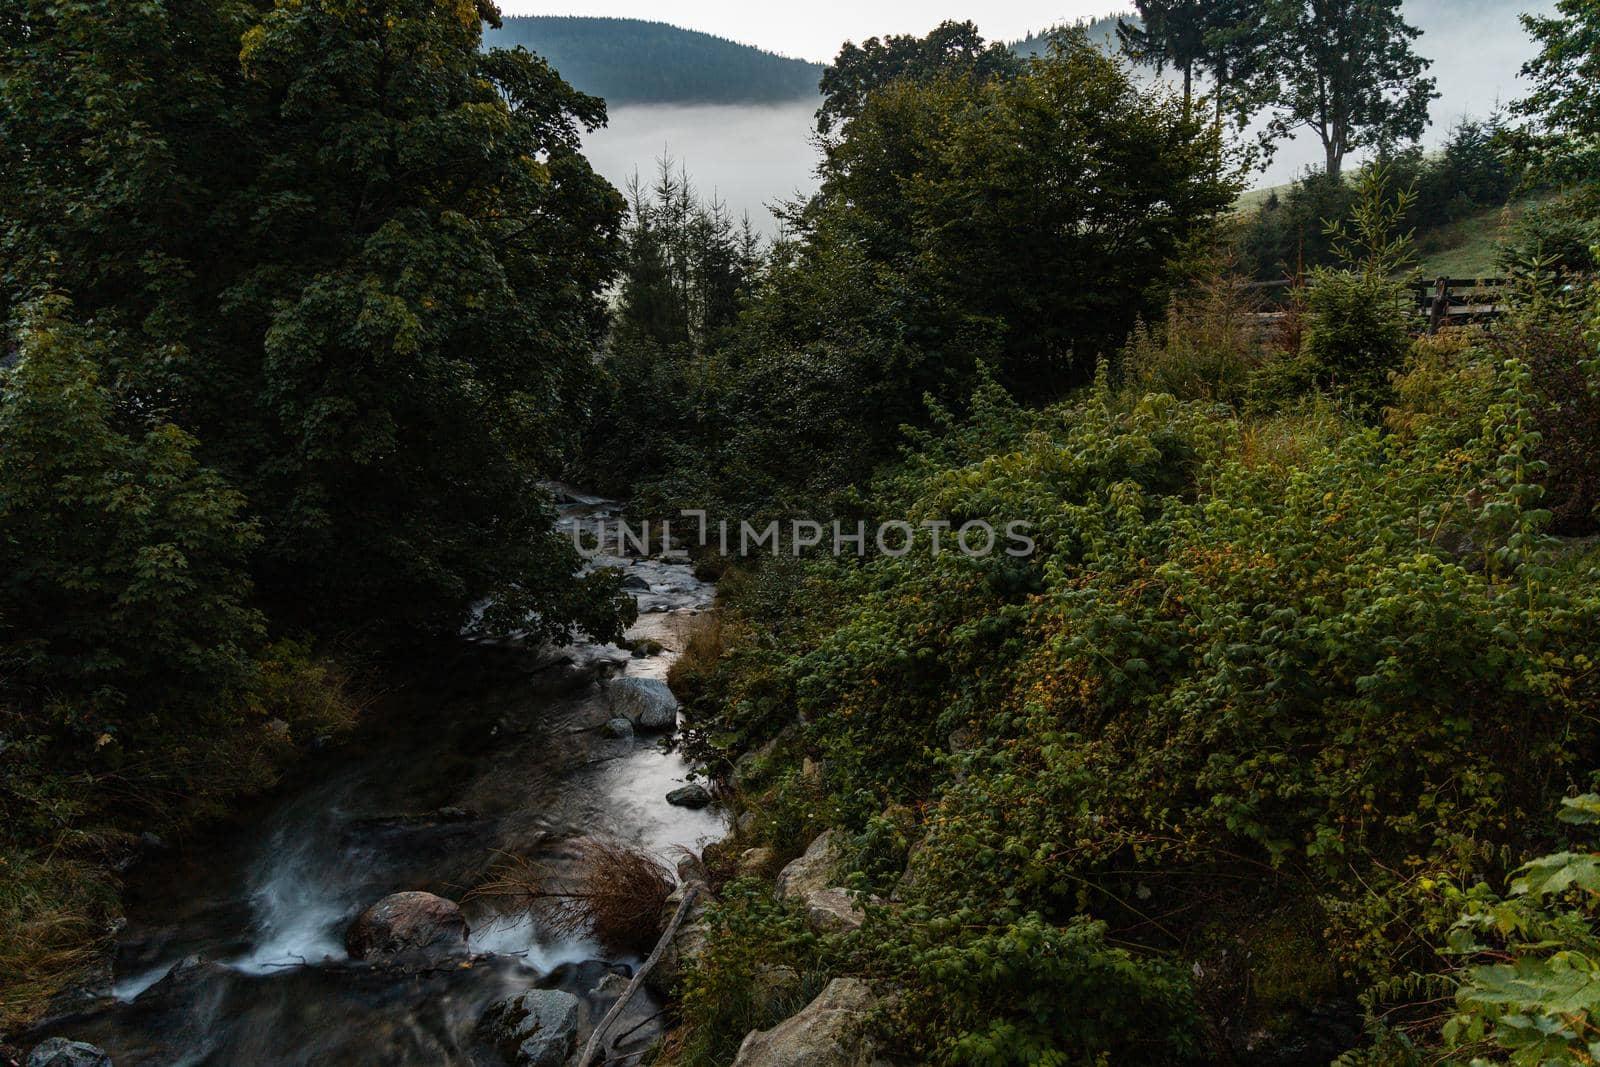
1357	327
1268	670
1529	991
1208	347
123	583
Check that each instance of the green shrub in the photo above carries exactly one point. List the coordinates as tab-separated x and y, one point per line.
1207	349
1265	668
1529	980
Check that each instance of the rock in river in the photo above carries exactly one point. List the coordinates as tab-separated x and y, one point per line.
689	796
538	1028
408	924
648	703
59	1052
617	728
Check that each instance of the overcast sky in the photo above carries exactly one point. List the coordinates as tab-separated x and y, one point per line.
814	29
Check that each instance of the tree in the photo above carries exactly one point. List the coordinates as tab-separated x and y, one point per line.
360	260
951	47
1346	71
1024	223
124	589
1221	40
1563	135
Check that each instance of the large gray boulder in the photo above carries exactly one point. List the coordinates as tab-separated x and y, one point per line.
648	703
828	1032
408	926
812	871
831	911
538	1028
60	1052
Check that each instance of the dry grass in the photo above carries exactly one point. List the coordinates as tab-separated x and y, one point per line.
55	915
702	648
617	895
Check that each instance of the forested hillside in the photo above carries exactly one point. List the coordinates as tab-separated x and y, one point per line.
1102	31
630	61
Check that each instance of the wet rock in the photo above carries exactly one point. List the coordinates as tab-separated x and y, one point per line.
618	728
185	978
538	1028
60	1052
635	584
828	1032
689	796
609	988
831	911
691	868
648	703
811	872
408	925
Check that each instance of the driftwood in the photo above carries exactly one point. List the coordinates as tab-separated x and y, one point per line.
691	890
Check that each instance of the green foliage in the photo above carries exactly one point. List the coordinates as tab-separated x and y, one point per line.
1357	319
1226	42
123	558
329	252
1529	989
1285	667
1025	991
1563	133
1556	239
1346	70
689	273
137	689
1208	347
1025	221
950	50
761	965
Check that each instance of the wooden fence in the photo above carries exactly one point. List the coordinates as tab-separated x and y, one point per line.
1437	302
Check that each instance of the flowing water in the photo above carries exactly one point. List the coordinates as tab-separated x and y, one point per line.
233	952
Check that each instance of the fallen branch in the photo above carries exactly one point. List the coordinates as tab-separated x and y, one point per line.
691	890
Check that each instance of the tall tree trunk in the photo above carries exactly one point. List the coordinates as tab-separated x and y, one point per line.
1335	157
1188	91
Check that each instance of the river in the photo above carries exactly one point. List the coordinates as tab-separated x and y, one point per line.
233	952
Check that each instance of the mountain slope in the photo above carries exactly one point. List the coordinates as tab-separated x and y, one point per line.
631	61
1102	31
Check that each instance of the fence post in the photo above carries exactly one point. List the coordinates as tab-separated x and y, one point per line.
1441	306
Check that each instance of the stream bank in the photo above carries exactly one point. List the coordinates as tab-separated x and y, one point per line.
234	949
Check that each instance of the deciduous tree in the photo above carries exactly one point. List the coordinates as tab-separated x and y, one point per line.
1347	71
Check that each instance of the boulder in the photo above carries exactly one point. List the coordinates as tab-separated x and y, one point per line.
635	584
828	1032
831	911
756	861
59	1052
617	728
408	925
648	703
538	1028
689	796
812	871
185	979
